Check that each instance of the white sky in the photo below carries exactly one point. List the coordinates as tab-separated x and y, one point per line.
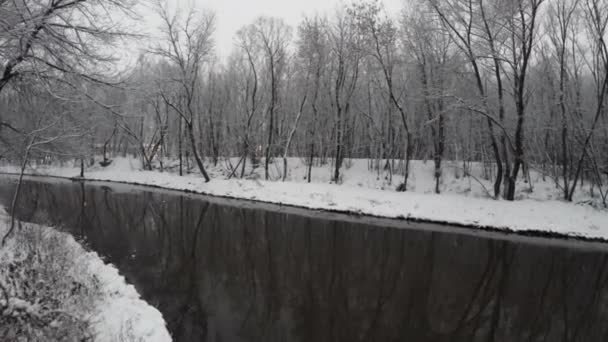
231	15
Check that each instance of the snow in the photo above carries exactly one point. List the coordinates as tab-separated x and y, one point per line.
118	314
463	200
121	314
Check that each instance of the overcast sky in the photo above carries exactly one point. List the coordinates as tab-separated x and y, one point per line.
233	14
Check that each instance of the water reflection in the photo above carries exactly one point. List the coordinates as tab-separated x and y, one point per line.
224	273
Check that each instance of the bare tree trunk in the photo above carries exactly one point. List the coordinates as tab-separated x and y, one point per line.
245	156
519	153
598	113
273	99
290	137
439	151
310	162
338	155
315	112
18	190
180	148
499	165
268	144
197	157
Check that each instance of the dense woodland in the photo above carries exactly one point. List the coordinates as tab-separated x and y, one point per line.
516	85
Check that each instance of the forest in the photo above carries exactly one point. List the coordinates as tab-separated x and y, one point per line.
515	86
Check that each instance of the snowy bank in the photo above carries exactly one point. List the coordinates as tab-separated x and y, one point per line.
74	282
527	215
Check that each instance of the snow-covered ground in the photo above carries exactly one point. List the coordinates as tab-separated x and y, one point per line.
112	309
463	201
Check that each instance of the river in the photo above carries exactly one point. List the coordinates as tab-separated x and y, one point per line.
227	270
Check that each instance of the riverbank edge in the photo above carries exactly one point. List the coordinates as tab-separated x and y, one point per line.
119	312
537	233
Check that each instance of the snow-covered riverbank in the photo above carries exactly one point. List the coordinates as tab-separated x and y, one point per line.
75	292
364	194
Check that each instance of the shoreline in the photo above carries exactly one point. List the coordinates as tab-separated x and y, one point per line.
193	185
116	310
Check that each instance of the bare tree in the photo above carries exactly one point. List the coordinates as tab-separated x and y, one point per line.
459	18
345	46
43	134
561	32
304	98
312	51
272	36
246	40
432	50
381	33
596	18
467	20
188	42
522	24
48	38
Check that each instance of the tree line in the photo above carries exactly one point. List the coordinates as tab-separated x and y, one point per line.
517	86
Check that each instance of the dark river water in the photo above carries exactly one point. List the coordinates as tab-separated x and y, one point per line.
224	270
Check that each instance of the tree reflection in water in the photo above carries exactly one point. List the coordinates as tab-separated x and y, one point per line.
224	273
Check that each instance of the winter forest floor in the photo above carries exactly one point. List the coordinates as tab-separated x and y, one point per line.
463	200
54	290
